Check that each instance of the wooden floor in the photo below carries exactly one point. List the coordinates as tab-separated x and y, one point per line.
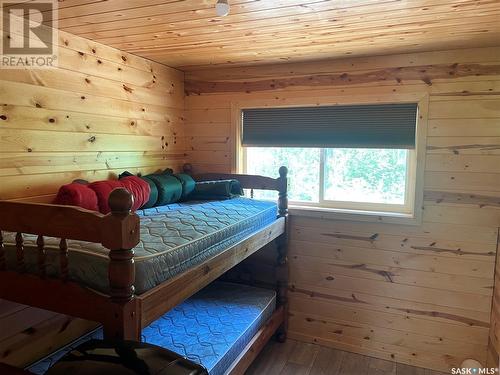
298	358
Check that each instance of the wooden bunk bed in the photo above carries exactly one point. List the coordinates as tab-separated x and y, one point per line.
122	313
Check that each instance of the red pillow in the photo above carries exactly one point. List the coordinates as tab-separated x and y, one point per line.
139	188
77	194
102	190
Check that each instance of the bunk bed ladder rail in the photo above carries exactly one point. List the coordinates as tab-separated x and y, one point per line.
282	256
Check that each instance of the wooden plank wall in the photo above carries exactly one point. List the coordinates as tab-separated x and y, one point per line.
414	294
101	112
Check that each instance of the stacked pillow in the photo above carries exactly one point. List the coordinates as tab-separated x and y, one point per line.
216	190
78	194
153	190
139	188
187	183
153	195
165	187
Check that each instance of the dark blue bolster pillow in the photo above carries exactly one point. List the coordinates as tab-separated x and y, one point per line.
216	190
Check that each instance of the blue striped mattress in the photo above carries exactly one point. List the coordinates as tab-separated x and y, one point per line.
174	238
210	328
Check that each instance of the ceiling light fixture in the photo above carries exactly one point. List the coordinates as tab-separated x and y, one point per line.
222	8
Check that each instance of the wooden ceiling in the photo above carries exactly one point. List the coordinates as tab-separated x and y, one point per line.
187	34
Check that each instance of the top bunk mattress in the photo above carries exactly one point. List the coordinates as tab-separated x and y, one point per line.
174	238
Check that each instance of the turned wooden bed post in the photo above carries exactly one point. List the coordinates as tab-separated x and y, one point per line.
282	249
3	263
122	236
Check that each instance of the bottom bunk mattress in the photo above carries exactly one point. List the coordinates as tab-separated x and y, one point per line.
174	238
210	328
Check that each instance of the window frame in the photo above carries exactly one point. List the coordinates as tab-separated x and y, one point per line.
405	208
409	213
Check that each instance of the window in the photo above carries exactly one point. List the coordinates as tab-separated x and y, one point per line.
364	159
344	178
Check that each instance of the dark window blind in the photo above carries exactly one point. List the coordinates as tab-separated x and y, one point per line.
346	126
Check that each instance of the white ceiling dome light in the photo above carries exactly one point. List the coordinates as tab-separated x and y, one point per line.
222	8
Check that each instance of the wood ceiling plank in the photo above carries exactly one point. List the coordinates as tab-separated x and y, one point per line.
306	51
478	55
186	62
188	34
402	25
120	8
287	29
324	10
325	39
193	11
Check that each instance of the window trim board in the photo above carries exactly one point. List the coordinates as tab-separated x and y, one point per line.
416	171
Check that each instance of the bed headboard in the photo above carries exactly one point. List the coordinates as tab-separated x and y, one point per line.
252	182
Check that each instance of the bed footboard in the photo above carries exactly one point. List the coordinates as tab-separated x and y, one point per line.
118	231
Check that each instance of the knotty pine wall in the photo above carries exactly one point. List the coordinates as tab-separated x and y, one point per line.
100	113
418	294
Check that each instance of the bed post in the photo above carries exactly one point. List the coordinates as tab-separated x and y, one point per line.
187	168
282	248
2	253
122	235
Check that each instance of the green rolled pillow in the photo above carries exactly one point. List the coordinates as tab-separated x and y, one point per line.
153	197
188	184
169	188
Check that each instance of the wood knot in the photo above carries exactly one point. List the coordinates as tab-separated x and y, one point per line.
128	89
92	139
3	117
29	331
427	81
124	58
52	120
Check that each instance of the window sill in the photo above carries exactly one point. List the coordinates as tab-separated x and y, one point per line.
354	215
